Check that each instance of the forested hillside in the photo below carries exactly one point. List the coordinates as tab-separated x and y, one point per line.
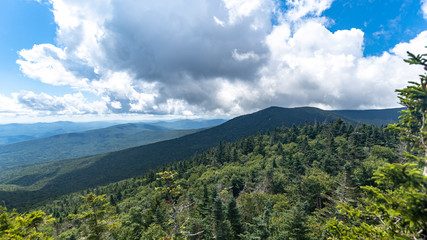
284	184
376	116
30	184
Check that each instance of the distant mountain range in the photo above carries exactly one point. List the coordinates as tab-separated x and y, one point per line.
186	124
98	141
82	144
31	184
17	132
376	117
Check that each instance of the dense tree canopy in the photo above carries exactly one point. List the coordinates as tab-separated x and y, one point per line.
395	207
283	184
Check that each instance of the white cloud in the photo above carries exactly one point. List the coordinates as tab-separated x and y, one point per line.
319	68
219	22
69	104
117	48
30	106
302	8
10	105
416	46
424	8
48	64
245	56
217	57
241	8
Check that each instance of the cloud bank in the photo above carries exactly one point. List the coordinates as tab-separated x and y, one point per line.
208	57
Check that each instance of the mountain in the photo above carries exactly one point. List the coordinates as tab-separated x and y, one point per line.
190	124
283	170
81	144
38	182
377	117
16	132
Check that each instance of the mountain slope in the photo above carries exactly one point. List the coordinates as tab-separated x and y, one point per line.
377	117
265	181
66	176
81	144
190	124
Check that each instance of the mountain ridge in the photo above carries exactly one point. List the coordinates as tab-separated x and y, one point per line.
96	141
86	143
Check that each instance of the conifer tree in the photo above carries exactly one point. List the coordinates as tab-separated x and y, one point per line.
412	125
96	209
222	227
396	207
233	215
295	224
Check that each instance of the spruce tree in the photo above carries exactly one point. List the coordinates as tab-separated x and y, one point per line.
233	215
395	208
295	225
222	227
412	126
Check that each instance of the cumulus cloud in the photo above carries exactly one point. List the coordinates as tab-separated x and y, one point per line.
69	104
328	69
199	56
10	105
121	49
301	8
27	104
52	65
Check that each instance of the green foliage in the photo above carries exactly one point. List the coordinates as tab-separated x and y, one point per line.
394	210
295	227
169	188
395	207
93	215
25	186
234	217
24	226
222	226
279	185
412	125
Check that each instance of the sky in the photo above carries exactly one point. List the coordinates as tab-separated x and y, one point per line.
85	60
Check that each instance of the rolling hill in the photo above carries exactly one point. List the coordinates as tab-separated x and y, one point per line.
82	144
17	132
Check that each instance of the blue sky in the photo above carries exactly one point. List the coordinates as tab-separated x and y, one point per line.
23	23
73	59
385	23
